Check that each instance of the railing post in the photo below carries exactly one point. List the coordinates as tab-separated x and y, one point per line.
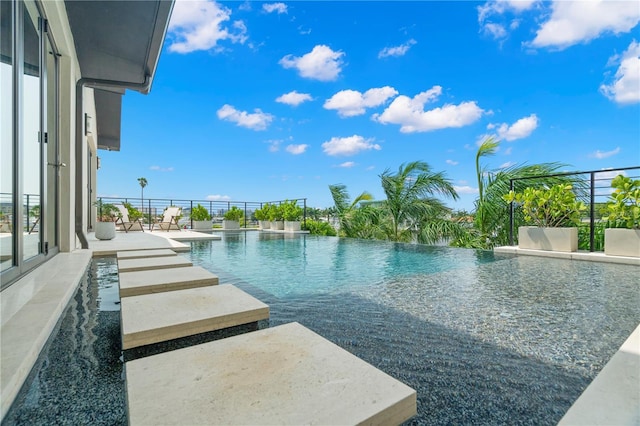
511	215
304	213
27	224
190	215
592	229
245	215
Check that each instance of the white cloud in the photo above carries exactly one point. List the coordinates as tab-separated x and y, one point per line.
409	113
494	9
296	149
370	168
199	25
396	50
518	130
275	7
465	189
497	31
347	164
257	121
348	146
506	165
625	89
573	22
609	174
321	63
606	154
451	162
274	145
508	151
218	197
350	103
294	98
161	169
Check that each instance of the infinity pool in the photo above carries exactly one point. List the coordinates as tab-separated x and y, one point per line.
483	338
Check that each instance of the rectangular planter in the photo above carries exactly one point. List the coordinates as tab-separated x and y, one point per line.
230	224
277	225
202	225
265	224
551	239
622	242
292	226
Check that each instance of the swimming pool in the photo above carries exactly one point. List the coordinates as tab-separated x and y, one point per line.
483	338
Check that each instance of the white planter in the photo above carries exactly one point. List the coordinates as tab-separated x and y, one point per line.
553	239
105	230
622	242
264	224
292	225
277	225
230	224
202	225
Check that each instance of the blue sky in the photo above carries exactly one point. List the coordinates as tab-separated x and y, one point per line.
266	101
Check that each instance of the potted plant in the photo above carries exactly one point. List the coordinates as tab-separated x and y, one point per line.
555	212
106	220
292	214
200	219
232	218
622	235
261	216
276	217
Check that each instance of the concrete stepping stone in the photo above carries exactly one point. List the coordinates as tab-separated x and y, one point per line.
130	265
158	317
137	283
140	254
284	375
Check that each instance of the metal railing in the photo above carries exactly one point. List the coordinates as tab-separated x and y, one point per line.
592	187
152	208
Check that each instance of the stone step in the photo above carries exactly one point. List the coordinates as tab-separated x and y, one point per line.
137	283
130	265
280	375
140	254
159	317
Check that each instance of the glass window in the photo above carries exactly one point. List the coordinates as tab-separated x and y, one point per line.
6	136
31	164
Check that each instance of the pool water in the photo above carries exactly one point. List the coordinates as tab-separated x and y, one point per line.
482	338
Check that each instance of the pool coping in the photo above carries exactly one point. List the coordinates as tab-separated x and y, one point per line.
576	255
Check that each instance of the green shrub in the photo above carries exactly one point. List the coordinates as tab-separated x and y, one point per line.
106	212
291	211
275	213
623	207
200	213
134	214
234	213
261	213
316	227
549	207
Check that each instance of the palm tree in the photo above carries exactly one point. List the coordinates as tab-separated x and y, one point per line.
344	208
492	211
143	182
410	199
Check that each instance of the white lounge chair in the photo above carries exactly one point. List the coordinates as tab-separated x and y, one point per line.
124	221
169	219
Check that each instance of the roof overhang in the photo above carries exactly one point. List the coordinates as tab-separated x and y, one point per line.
118	43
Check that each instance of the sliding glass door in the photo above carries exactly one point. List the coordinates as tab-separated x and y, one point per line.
29	187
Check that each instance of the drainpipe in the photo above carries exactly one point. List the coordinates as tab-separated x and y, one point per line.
79	143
